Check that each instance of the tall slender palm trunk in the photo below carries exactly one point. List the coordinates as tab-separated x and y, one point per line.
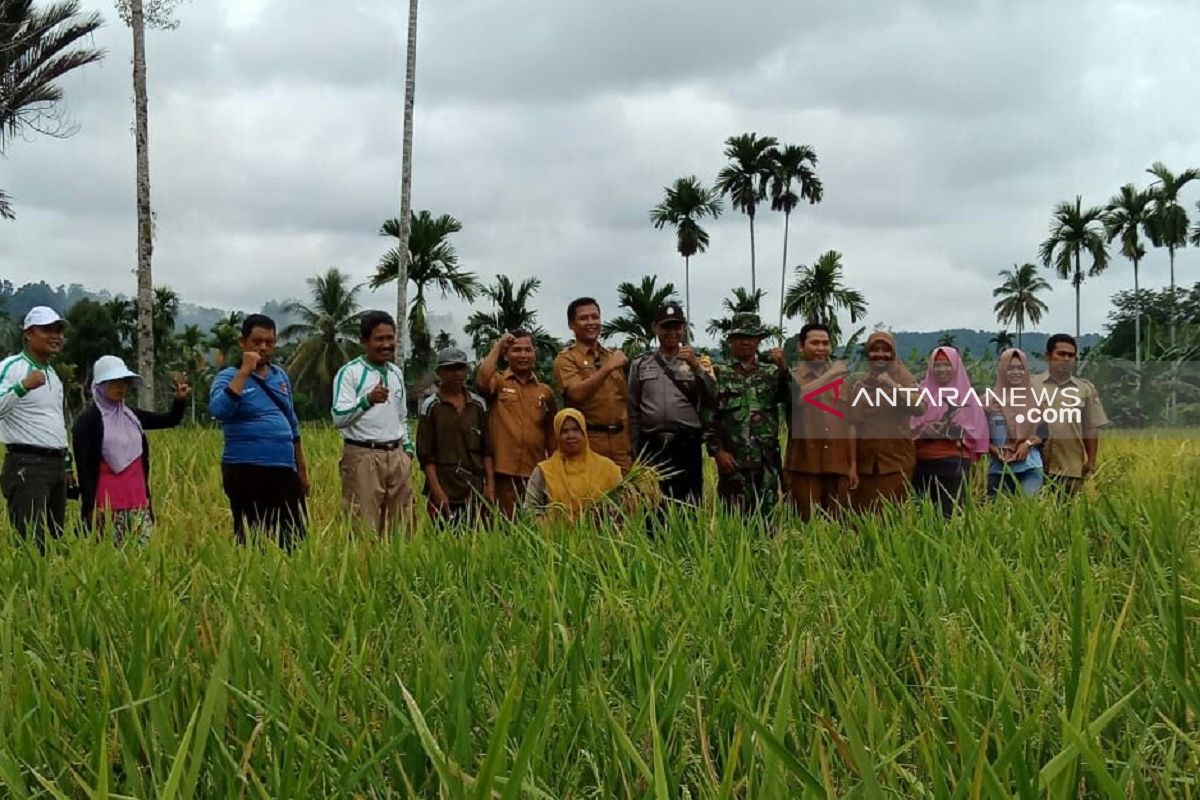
410	87
1078	286
687	293
787	219
753	274
145	230
1171	256
1137	324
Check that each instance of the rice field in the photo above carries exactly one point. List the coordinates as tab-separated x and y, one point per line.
1025	649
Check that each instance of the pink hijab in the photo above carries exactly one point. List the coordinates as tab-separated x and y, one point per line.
966	412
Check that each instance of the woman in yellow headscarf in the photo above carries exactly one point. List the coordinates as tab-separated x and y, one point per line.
574	478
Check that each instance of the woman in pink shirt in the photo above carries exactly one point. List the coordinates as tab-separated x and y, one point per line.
112	454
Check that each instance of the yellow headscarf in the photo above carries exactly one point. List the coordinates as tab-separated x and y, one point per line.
577	482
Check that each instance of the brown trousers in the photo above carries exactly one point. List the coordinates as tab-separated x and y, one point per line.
377	487
613	445
510	493
876	490
809	493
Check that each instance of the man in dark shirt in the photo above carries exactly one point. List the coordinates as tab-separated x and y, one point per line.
453	445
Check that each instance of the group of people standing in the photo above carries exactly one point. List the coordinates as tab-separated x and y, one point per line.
504	446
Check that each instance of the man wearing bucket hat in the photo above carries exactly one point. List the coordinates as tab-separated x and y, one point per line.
454	447
36	470
667	391
112	453
743	424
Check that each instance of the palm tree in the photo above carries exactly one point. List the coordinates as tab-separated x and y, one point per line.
1019	301
37	47
742	301
1129	214
642	303
166	310
745	178
326	336
138	15
1003	340
1196	230
946	340
432	262
1168	223
190	344
511	312
223	339
1072	231
818	294
403	231
794	166
687	201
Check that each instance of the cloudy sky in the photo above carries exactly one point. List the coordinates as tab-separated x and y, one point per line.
946	131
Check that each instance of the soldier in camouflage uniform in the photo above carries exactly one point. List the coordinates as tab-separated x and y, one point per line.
742	430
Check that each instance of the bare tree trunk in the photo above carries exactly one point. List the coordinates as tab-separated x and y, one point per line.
145	230
753	280
410	87
1137	325
1078	285
687	290
787	218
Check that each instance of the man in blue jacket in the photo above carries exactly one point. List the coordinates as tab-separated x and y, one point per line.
262	466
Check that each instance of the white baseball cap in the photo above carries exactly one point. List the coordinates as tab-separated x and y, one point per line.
111	368
40	316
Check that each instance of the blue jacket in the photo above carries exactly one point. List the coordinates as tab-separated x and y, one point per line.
257	431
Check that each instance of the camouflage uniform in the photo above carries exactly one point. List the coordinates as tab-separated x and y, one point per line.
746	423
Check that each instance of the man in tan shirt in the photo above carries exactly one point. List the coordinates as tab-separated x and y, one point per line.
592	379
820	464
1070	450
521	418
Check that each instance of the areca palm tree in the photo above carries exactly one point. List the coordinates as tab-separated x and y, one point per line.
223	339
1196	230
741	301
326	336
1074	230
1018	297
1129	213
1002	340
1168	222
641	303
687	201
431	263
819	294
510	312
37	48
190	344
793	178
744	179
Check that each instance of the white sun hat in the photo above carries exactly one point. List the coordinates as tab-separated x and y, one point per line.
111	368
40	316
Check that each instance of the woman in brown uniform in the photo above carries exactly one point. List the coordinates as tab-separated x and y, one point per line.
881	410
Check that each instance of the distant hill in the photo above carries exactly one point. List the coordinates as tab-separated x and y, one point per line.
978	342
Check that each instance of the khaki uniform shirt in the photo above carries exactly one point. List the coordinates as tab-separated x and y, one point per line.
521	422
819	442
884	443
609	406
1064	453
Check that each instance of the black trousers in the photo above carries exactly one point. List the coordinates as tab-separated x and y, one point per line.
943	480
267	499
35	489
680	455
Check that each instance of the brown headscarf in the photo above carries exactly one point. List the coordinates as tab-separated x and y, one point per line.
1017	400
896	369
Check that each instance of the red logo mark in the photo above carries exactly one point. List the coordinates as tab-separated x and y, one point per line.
836	387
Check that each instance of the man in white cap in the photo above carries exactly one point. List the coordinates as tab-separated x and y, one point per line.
36	470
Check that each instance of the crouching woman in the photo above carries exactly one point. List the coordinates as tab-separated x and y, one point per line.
112	454
574	479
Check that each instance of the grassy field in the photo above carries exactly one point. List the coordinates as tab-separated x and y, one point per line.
1026	649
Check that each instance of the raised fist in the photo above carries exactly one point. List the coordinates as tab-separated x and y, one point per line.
250	360
33	380
378	395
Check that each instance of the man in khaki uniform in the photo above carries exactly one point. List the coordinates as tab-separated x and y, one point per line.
370	410
1070	450
820	463
592	379
521	419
